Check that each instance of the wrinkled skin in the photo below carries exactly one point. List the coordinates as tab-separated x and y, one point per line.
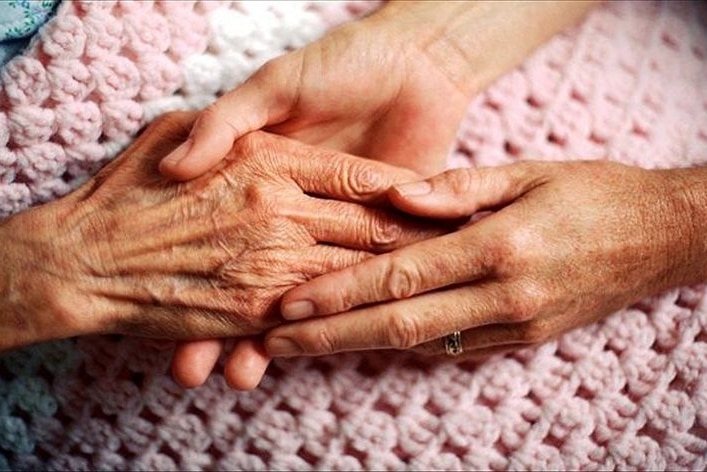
367	89
569	244
134	253
391	87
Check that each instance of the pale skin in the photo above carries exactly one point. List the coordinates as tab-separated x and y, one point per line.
391	87
131	252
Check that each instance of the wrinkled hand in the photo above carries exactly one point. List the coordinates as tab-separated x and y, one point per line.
571	243
367	88
131	252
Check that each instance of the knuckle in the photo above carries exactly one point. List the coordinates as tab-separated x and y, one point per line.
509	254
362	180
402	278
383	232
521	311
527	302
343	301
258	196
402	332
325	342
460	181
269	68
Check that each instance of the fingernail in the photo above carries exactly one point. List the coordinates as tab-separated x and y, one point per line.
414	189
283	347
177	154
298	310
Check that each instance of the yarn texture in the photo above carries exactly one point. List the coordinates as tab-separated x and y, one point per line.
630	392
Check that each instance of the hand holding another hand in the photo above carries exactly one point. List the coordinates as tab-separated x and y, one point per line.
131	252
569	244
391	87
368	88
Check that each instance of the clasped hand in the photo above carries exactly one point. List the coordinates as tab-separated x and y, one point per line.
134	253
567	244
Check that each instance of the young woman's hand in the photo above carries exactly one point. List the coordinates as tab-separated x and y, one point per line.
391	87
367	88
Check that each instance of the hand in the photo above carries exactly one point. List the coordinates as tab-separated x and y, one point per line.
391	87
367	88
364	89
571	243
133	253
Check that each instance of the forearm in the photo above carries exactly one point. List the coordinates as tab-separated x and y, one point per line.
476	42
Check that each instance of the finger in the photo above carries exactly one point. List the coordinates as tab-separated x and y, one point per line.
462	192
193	361
483	353
355	226
446	260
338	175
498	337
239	300
398	325
265	98
246	364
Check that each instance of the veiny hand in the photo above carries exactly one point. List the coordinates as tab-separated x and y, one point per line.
571	243
131	252
391	87
367	88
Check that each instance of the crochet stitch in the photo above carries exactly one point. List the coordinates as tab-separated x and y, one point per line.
629	392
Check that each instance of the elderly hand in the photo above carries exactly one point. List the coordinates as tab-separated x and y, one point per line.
365	89
569	244
390	87
131	252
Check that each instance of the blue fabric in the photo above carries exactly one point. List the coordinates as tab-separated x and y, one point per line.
19	21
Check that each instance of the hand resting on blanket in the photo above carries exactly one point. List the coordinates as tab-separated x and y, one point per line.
391	87
567	243
134	253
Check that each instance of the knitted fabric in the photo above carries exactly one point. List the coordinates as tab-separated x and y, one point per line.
629	392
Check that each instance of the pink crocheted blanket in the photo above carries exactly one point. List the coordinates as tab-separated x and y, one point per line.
630	392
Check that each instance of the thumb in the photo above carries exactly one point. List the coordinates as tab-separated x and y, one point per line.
462	192
264	99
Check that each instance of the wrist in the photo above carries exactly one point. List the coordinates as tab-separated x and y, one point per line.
36	295
424	28
477	42
687	192
20	323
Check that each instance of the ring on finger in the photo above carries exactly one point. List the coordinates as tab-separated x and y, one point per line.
453	344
